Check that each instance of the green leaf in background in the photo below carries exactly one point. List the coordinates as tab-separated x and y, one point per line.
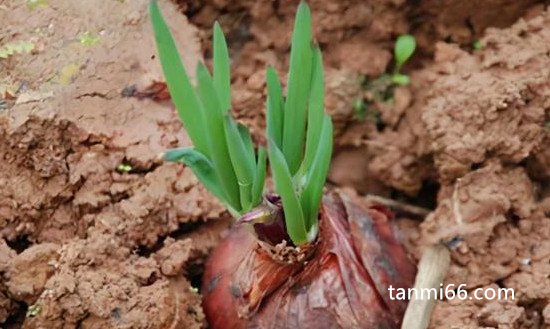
316	110
275	114
222	78
299	80
179	86
317	174
200	165
259	177
219	152
294	217
404	48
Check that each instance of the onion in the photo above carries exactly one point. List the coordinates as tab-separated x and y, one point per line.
340	281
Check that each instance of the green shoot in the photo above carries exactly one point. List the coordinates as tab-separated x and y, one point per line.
124	167
222	79
301	161
294	215
222	157
403	50
299	80
275	114
477	45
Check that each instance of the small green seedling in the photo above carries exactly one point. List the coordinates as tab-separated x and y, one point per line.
16	47
403	50
223	156
123	167
477	45
360	108
381	89
88	39
35	4
33	310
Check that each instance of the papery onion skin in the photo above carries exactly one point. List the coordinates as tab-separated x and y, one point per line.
343	285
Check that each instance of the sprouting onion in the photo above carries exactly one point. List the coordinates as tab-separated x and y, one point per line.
223	156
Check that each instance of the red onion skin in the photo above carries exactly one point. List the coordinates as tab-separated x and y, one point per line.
344	284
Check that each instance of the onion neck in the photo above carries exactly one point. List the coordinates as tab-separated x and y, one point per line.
268	221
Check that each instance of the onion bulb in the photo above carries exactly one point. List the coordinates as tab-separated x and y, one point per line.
339	281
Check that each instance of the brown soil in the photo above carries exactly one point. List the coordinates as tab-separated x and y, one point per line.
84	244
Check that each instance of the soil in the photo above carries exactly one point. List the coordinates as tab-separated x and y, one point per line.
96	232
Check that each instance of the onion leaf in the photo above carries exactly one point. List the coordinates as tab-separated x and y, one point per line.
247	141
241	160
259	178
219	152
238	152
315	111
299	80
317	174
275	114
294	217
179	86
200	165
222	79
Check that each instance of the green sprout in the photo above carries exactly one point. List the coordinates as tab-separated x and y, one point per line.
88	39
381	88
300	132
477	45
360	108
16	47
124	167
35	4
33	310
403	50
223	156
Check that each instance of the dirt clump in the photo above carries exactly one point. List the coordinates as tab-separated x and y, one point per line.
100	283
494	214
83	186
506	119
61	154
458	127
489	207
461	22
29	271
7	305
